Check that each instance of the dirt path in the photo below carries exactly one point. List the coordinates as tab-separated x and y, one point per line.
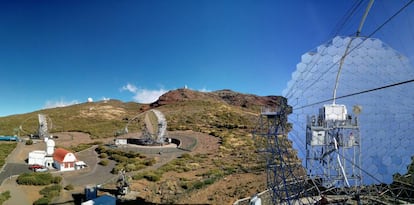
18	196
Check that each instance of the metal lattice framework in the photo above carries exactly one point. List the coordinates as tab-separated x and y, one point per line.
43	130
285	175
333	151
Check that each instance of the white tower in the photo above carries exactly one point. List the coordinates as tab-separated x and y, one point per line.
50	147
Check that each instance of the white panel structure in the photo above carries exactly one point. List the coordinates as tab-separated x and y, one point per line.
43	132
162	126
37	157
386	128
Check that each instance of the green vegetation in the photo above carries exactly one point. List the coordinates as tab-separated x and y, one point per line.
29	142
82	146
38	179
69	187
5	150
103	155
127	161
104	162
208	178
4	196
184	163
42	201
51	191
152	176
99	119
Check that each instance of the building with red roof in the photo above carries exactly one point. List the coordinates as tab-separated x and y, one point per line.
64	160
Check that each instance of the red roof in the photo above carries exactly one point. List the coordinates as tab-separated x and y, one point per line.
59	154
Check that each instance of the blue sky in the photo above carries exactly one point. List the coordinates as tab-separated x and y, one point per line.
56	53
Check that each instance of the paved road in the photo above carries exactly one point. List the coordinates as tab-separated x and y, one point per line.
13	169
8	178
93	174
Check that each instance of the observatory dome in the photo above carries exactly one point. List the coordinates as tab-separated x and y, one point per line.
386	116
50	146
50	143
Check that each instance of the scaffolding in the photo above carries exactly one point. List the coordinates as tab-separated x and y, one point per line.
286	178
333	149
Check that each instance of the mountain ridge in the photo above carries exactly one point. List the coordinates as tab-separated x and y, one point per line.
117	112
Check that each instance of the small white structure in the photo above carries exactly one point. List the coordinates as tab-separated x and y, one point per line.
50	146
121	141
37	157
80	165
334	112
64	160
255	200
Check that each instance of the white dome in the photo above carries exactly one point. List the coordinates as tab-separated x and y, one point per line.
50	143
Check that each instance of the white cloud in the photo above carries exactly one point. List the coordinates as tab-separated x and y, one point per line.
59	103
204	90
129	87
143	95
105	99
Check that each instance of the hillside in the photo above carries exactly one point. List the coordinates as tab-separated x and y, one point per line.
103	119
222	173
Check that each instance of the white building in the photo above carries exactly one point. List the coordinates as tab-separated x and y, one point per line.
41	157
37	157
59	158
64	160
121	141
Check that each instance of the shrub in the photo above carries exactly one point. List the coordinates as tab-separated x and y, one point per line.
128	161
150	176
4	196
69	187
5	150
104	162
80	147
29	142
130	167
56	180
103	155
149	162
42	201
198	184
37	178
185	156
51	191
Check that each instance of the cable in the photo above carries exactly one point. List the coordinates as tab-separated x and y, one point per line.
334	32
369	36
346	18
357	93
390	18
367	173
